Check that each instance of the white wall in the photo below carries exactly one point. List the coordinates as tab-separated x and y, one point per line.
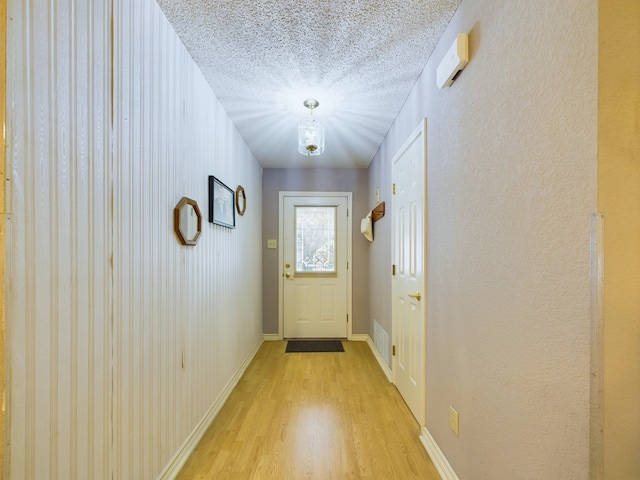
511	186
119	338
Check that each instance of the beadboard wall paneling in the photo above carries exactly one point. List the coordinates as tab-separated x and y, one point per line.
3	220
185	318
120	339
58	243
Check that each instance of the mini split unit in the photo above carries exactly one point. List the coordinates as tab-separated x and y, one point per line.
453	62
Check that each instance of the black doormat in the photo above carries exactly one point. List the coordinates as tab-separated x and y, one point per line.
303	346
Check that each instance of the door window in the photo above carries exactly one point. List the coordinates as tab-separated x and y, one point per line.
315	230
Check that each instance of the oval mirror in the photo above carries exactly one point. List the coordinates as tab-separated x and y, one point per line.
187	221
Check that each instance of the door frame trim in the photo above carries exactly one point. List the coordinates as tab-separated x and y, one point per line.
420	130
281	196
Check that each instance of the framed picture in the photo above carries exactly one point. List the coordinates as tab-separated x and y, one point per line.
221	204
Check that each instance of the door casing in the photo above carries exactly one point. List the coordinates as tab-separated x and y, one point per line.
418	135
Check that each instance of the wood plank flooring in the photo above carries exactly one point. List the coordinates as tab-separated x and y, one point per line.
317	416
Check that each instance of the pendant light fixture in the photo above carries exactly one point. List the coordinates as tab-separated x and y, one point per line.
310	132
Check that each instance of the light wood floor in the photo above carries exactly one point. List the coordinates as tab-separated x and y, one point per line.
312	416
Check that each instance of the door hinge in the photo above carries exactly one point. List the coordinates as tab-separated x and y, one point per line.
393	269
347	318
347	265
393	350
347	212
394	188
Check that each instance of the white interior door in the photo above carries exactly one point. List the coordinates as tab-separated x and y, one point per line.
409	247
315	259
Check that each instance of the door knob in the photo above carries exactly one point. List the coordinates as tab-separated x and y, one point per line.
416	295
288	275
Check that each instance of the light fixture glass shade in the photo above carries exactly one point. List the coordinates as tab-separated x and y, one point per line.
310	137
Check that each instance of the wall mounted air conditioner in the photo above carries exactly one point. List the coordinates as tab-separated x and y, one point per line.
453	62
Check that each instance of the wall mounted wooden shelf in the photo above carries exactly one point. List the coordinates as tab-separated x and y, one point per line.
378	212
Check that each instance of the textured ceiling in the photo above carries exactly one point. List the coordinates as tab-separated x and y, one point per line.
358	58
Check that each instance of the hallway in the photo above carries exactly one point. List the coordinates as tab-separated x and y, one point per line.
312	416
120	340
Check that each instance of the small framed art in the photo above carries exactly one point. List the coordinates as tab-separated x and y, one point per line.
221	204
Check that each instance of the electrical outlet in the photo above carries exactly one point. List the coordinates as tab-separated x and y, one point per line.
272	243
453	420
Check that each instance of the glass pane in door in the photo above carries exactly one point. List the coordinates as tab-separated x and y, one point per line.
315	230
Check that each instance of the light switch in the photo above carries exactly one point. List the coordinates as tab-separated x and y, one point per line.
272	243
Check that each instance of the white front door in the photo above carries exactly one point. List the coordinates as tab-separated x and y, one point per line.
409	294
314	265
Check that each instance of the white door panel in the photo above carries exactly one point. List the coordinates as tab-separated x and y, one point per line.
315	283
409	282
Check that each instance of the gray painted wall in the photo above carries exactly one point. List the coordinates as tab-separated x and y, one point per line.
511	184
380	255
275	180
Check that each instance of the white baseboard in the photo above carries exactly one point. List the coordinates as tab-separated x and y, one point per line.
271	337
438	458
359	337
376	353
182	455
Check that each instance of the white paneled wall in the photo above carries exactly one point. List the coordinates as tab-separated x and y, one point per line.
119	339
58	240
